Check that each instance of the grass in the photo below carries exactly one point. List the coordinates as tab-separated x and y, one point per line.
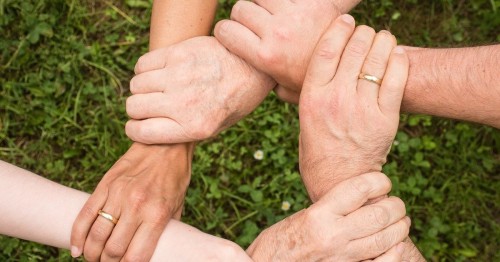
64	72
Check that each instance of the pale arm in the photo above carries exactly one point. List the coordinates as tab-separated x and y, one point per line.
36	209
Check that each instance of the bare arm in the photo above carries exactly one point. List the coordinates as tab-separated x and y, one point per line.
456	83
36	209
152	177
452	83
174	21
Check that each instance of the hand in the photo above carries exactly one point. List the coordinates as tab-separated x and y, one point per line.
191	91
143	190
338	227
347	124
277	37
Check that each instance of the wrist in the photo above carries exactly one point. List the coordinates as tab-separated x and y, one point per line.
345	6
321	176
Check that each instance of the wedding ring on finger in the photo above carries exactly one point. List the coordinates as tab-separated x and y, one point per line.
370	78
107	216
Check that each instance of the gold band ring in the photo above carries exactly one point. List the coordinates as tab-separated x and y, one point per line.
370	78
108	217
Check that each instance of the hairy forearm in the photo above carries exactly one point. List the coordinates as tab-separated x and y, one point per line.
456	83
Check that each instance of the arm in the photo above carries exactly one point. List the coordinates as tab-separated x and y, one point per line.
457	83
174	21
146	187
49	209
347	125
452	83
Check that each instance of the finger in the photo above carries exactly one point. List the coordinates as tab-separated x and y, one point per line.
144	242
354	56
85	220
157	59
156	131
101	230
251	16
239	40
328	52
371	219
379	243
393	85
122	235
273	6
351	194
287	95
142	106
157	81
395	254
375	65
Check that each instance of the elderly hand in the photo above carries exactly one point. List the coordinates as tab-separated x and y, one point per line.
191	91
277	37
339	228
347	124
143	190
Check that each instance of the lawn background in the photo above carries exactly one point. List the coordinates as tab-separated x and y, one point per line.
64	72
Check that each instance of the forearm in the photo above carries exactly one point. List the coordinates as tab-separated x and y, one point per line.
37	209
455	83
173	21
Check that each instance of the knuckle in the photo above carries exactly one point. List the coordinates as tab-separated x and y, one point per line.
356	48
268	57
327	50
380	215
134	258
382	242
399	204
376	61
282	34
385	182
114	250
131	106
201	133
90	257
231	252
133	85
98	232
387	36
138	198
159	216
88	211
365	30
205	128
140	65
236	11
360	185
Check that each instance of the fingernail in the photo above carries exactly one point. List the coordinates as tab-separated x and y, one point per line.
75	251
348	19
401	248
399	50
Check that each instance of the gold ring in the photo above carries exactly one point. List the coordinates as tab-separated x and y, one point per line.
370	78
108	217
